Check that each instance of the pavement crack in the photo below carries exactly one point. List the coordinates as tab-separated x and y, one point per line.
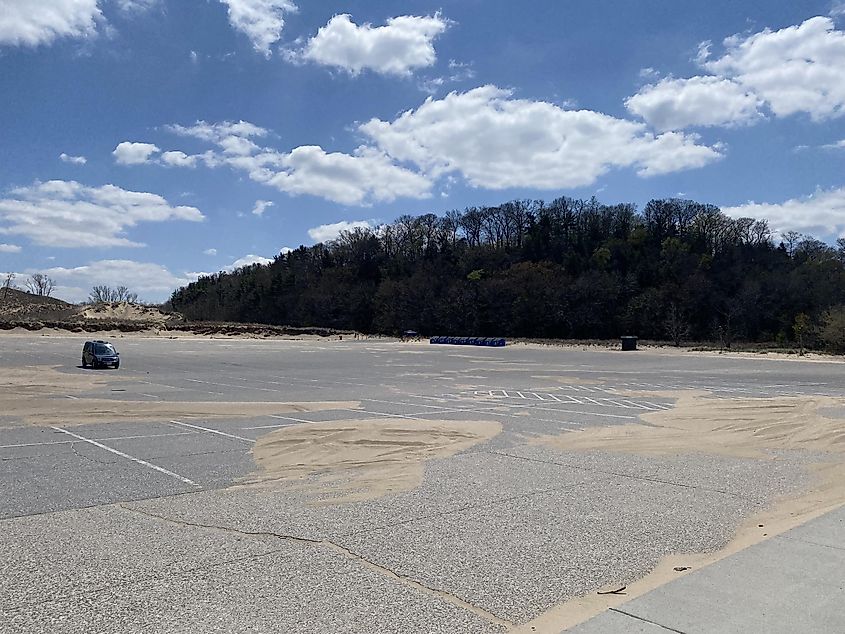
468	507
627	475
644	620
327	544
89	458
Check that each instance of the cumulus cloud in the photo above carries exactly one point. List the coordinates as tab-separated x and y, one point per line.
823	213
261	206
76	160
31	23
261	21
326	233
797	69
10	248
247	260
360	178
129	153
69	214
179	159
674	104
496	141
210	252
403	44
352	179
152	282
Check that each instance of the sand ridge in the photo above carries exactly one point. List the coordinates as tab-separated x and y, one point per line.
737	427
357	460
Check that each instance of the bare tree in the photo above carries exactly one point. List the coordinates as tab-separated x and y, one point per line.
40	284
676	324
801	327
102	294
9	283
122	294
790	240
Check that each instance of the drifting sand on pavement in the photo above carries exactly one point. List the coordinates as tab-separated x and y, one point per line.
740	428
358	460
39	396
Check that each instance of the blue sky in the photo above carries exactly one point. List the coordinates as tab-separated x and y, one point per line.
144	142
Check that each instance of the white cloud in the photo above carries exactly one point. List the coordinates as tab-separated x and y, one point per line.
403	44
216	132
326	233
261	206
136	6
496	142
152	282
76	160
823	213
68	214
353	179
10	248
674	104
247	260
797	69
210	252
129	153
285	250
179	159
261	21
35	22
839	145
458	72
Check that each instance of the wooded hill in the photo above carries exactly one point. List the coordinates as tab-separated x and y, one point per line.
677	270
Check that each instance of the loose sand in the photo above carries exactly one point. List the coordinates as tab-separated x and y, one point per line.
358	460
741	428
39	396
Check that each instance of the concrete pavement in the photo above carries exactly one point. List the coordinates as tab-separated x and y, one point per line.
794	582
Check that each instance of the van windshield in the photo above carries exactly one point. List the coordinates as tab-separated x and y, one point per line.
103	348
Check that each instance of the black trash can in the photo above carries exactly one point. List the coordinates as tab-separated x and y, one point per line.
629	343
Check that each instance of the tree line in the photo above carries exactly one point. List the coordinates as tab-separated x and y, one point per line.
572	269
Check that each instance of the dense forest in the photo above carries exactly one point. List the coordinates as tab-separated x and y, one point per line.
678	270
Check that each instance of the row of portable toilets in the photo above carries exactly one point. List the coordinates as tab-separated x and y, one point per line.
494	342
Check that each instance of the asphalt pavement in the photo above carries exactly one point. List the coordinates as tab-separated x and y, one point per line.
147	526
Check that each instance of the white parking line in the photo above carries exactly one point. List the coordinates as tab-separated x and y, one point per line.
213	431
70	442
149	465
295	420
482	411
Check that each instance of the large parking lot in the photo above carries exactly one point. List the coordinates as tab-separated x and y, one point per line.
236	485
